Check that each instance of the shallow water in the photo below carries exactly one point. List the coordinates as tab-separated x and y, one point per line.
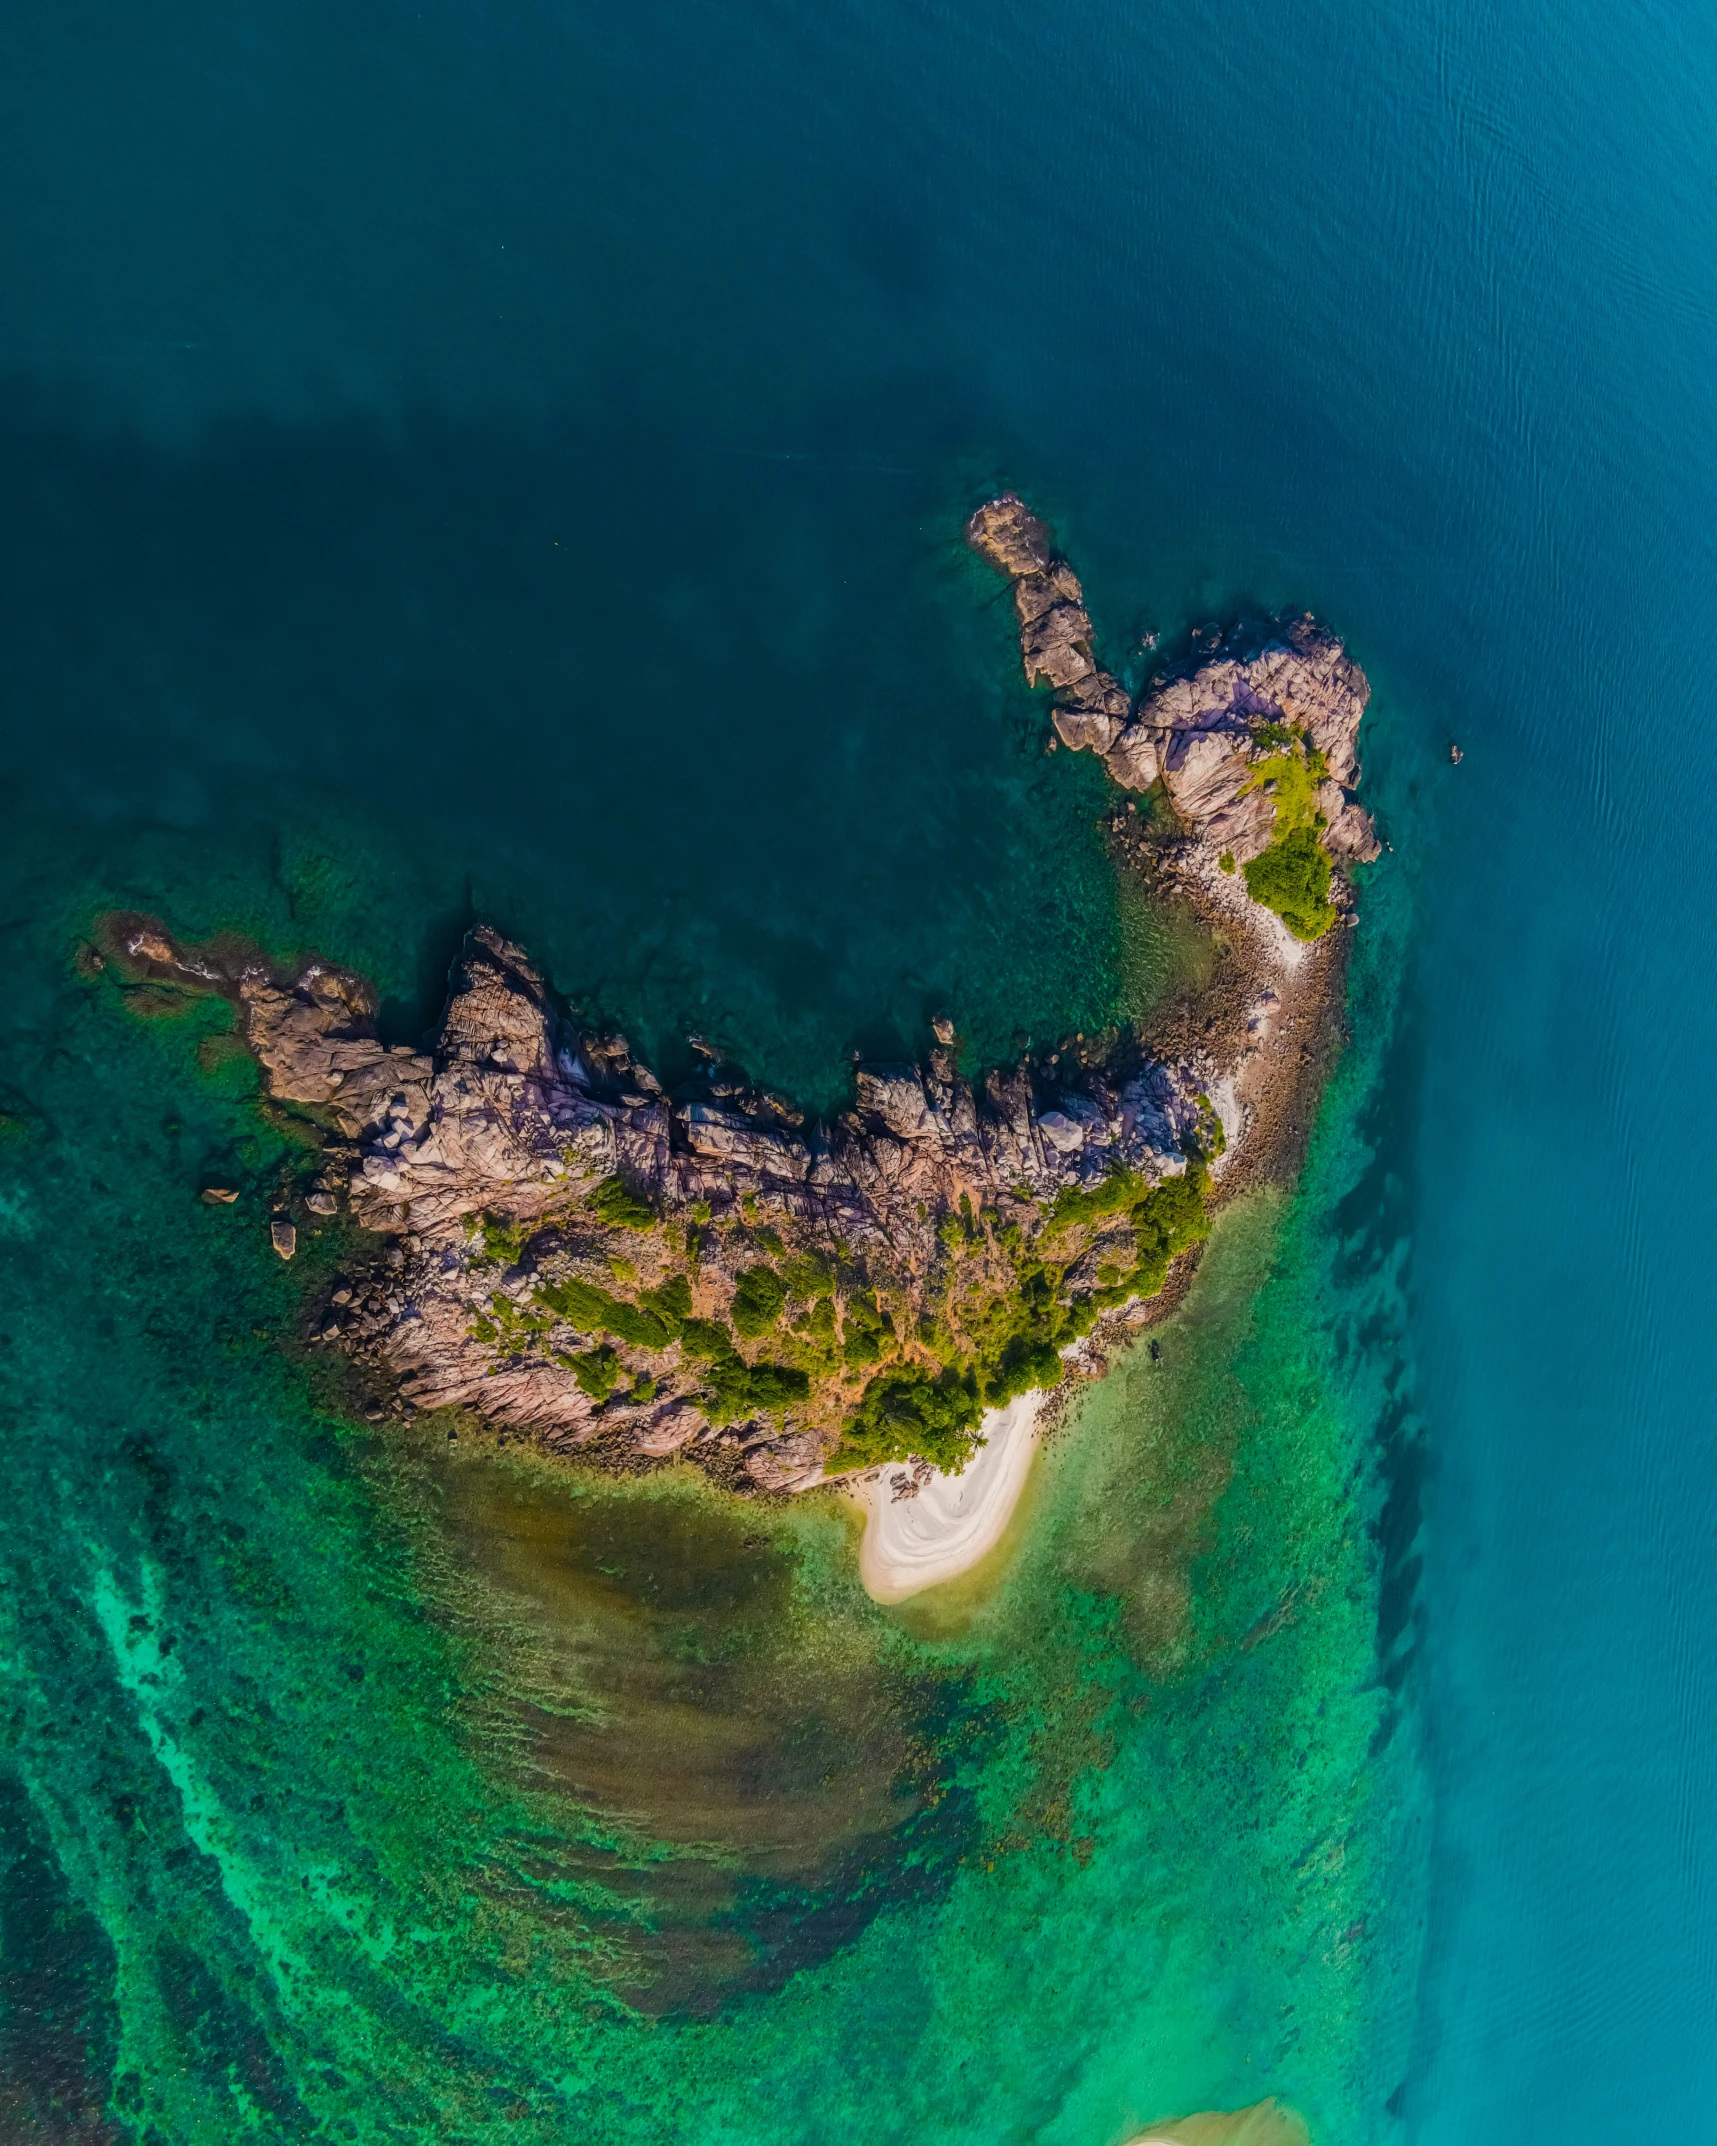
461	466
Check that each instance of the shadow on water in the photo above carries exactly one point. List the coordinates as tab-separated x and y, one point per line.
527	669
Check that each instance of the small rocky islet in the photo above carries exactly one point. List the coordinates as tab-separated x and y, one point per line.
572	1253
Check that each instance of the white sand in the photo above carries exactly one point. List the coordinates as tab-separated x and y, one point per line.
914	1543
1266	2123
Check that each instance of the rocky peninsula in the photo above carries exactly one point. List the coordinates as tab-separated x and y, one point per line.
577	1255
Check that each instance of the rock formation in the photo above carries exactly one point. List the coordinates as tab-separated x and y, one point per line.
1206	730
568	1249
502	1130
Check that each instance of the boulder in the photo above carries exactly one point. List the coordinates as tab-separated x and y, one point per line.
1056	647
1134	759
732	1138
894	1096
1039	594
1087	730
1006	532
1352	835
668	1430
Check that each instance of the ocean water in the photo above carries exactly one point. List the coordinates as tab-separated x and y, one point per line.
459	463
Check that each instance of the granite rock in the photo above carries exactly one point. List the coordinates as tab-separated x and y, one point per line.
1197	730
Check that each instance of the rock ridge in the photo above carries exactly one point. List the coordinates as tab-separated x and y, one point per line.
1204	729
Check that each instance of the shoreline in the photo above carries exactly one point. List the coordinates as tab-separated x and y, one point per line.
953	1521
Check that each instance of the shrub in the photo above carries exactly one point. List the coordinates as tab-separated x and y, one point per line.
863	1328
1090	1203
615	1203
1210	1140
807	1276
673	1300
1292	878
1029	1361
735	1388
819	1321
706	1339
1169	1219
906	1412
758	1299
597	1371
498	1241
593	1309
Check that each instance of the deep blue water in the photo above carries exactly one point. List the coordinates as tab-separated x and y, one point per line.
510	460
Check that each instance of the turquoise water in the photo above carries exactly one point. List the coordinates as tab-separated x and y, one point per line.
463	464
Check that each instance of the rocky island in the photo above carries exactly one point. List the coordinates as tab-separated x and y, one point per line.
575	1254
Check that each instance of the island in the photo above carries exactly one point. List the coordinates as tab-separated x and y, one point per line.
563	1248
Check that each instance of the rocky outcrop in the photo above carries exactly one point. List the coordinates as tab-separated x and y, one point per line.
570	1249
1055	637
478	1158
511	1106
1204	731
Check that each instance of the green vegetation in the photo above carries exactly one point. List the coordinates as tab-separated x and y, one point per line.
807	1276
817	1321
509	1326
673	1300
1171	1219
733	1388
584	1305
1091	1203
1291	777
910	1412
1292	877
865	1329
759	1298
736	1389
707	1339
615	1203
998	1310
597	1370
500	1243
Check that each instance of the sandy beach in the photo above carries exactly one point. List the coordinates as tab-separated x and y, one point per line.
914	1543
1266	2123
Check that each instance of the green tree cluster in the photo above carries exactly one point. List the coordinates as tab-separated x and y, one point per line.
1292	877
911	1411
759	1298
615	1203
